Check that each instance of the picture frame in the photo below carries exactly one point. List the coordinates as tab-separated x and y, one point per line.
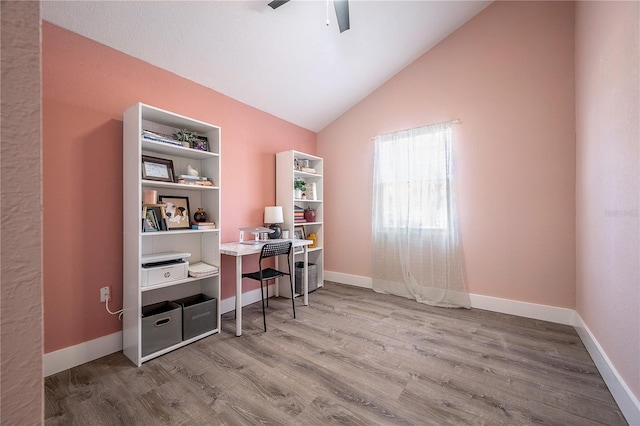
298	233
201	143
150	221
159	212
177	211
158	169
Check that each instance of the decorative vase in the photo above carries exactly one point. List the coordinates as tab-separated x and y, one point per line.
310	215
297	194
200	215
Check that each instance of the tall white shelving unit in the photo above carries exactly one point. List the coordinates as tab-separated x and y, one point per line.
204	245
286	173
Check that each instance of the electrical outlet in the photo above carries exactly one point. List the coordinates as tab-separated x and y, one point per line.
104	294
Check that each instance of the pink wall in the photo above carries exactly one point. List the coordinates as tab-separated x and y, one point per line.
608	175
86	87
22	391
508	74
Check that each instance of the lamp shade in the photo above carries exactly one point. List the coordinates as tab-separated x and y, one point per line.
273	214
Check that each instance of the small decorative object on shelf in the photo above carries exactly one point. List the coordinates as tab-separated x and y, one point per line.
187	138
200	215
201	144
191	171
310	215
192	140
312	236
299	186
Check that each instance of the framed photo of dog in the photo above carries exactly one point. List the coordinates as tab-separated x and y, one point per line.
176	209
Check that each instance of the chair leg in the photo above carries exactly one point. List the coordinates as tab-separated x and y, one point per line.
267	288
292	298
264	318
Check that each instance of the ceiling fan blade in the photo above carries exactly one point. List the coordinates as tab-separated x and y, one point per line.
277	3
342	13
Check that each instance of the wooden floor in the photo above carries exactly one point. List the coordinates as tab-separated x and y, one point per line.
351	357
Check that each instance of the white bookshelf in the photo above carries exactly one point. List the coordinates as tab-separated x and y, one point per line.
204	245
286	173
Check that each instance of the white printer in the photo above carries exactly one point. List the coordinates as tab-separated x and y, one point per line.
160	268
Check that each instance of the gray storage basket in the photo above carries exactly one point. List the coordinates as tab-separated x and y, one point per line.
161	326
313	276
199	315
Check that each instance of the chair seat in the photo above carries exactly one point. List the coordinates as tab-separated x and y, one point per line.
267	274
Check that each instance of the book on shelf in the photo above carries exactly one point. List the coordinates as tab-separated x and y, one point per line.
203	225
191	177
195	180
159	137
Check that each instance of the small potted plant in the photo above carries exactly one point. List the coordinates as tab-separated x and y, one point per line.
188	139
299	186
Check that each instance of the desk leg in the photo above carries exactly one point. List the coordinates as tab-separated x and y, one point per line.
238	295
305	279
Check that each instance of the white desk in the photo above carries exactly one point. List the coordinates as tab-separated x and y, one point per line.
242	249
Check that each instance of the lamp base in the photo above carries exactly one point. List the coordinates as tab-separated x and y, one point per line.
277	231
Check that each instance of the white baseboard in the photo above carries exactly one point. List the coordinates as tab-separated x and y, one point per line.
626	400
63	359
524	309
72	356
354	280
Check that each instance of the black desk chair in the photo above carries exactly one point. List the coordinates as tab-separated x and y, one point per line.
267	274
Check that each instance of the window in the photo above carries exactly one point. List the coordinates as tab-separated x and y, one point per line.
411	178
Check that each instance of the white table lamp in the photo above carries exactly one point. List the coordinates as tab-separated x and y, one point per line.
274	216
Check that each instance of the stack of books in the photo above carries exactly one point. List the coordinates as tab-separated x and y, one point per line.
159	137
203	225
298	215
195	180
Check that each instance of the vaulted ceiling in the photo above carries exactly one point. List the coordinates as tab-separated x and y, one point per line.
287	61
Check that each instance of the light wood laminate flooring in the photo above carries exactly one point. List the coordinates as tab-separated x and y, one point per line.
351	357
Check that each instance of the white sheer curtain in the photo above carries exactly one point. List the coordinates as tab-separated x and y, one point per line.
416	250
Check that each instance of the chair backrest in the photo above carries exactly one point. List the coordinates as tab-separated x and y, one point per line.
275	249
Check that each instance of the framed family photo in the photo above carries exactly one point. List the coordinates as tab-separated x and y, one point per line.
157	211
298	233
150	222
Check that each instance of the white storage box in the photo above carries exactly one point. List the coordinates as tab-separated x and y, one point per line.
163	268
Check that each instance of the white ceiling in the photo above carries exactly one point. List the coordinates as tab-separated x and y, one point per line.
286	62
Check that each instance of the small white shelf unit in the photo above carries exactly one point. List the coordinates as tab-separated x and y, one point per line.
204	245
286	173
